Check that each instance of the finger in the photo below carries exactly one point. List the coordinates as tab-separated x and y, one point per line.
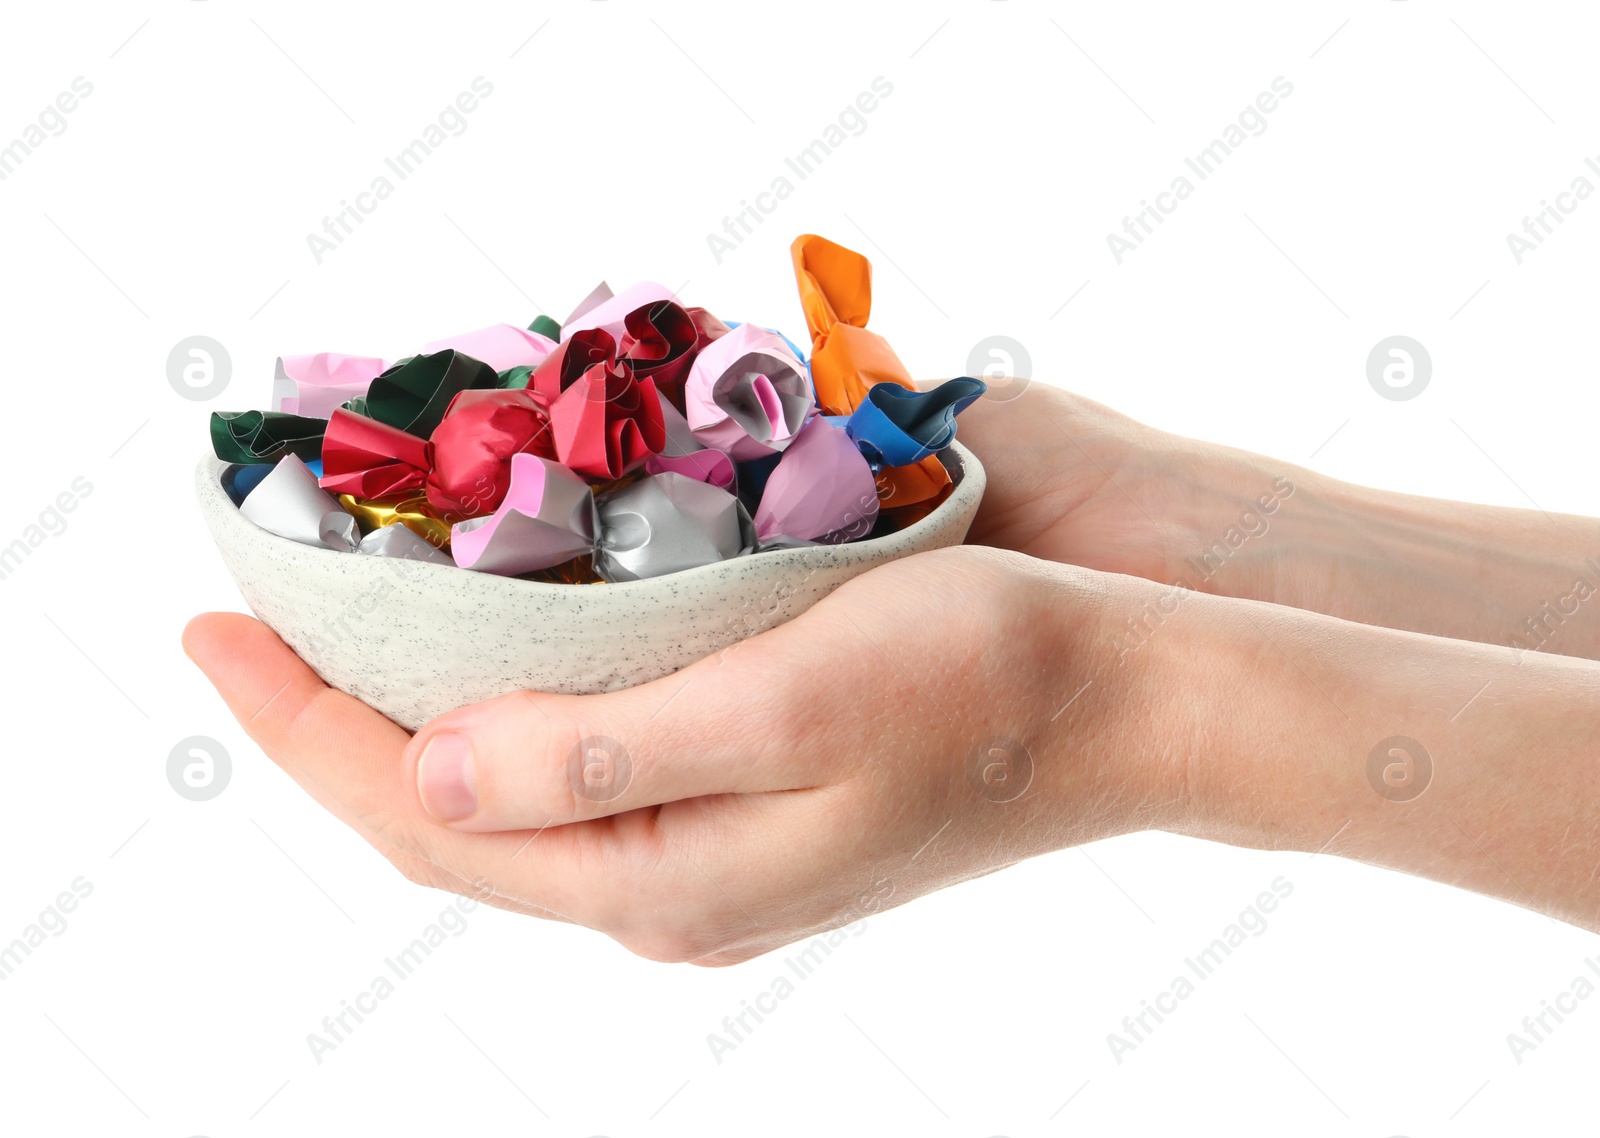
740	722
793	708
332	744
347	756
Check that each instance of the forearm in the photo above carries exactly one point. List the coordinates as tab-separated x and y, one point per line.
1449	760
1275	532
1075	482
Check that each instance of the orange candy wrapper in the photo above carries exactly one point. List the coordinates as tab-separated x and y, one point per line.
835	286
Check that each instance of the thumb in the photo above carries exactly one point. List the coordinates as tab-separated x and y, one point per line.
734	723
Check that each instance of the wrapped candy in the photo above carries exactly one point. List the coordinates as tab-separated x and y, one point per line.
412	513
239	480
610	313
413	394
400	542
575	355
605	421
546	517
289	503
472	446
747	394
659	343
316	384
685	454
821	490
897	427
264	436
667	523
641	439
370	459
835	286
501	346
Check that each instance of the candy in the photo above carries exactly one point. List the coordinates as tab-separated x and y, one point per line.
641	438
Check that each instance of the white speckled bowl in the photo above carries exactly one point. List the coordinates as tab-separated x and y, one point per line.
415	640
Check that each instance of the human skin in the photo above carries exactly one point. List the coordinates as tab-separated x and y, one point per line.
846	761
1080	483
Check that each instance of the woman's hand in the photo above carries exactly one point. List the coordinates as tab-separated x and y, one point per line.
917	727
939	718
1072	481
955	712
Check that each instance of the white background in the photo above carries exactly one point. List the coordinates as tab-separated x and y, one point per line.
1018	135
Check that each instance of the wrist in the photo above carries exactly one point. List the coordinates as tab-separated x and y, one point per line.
1243	516
1234	719
1319	734
1115	728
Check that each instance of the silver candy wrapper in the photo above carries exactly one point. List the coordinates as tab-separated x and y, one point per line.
547	517
669	522
784	541
398	541
289	503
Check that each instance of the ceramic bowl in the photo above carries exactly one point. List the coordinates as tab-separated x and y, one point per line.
415	640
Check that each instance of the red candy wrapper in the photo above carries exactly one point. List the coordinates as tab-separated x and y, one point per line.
471	449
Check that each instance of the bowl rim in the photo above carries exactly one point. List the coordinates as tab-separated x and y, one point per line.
966	472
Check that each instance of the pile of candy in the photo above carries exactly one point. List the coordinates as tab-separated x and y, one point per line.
639	438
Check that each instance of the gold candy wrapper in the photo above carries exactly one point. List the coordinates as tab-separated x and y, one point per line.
412	512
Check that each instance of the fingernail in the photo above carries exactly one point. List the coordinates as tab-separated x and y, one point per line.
446	778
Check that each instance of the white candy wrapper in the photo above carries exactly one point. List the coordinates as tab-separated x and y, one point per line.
289	503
